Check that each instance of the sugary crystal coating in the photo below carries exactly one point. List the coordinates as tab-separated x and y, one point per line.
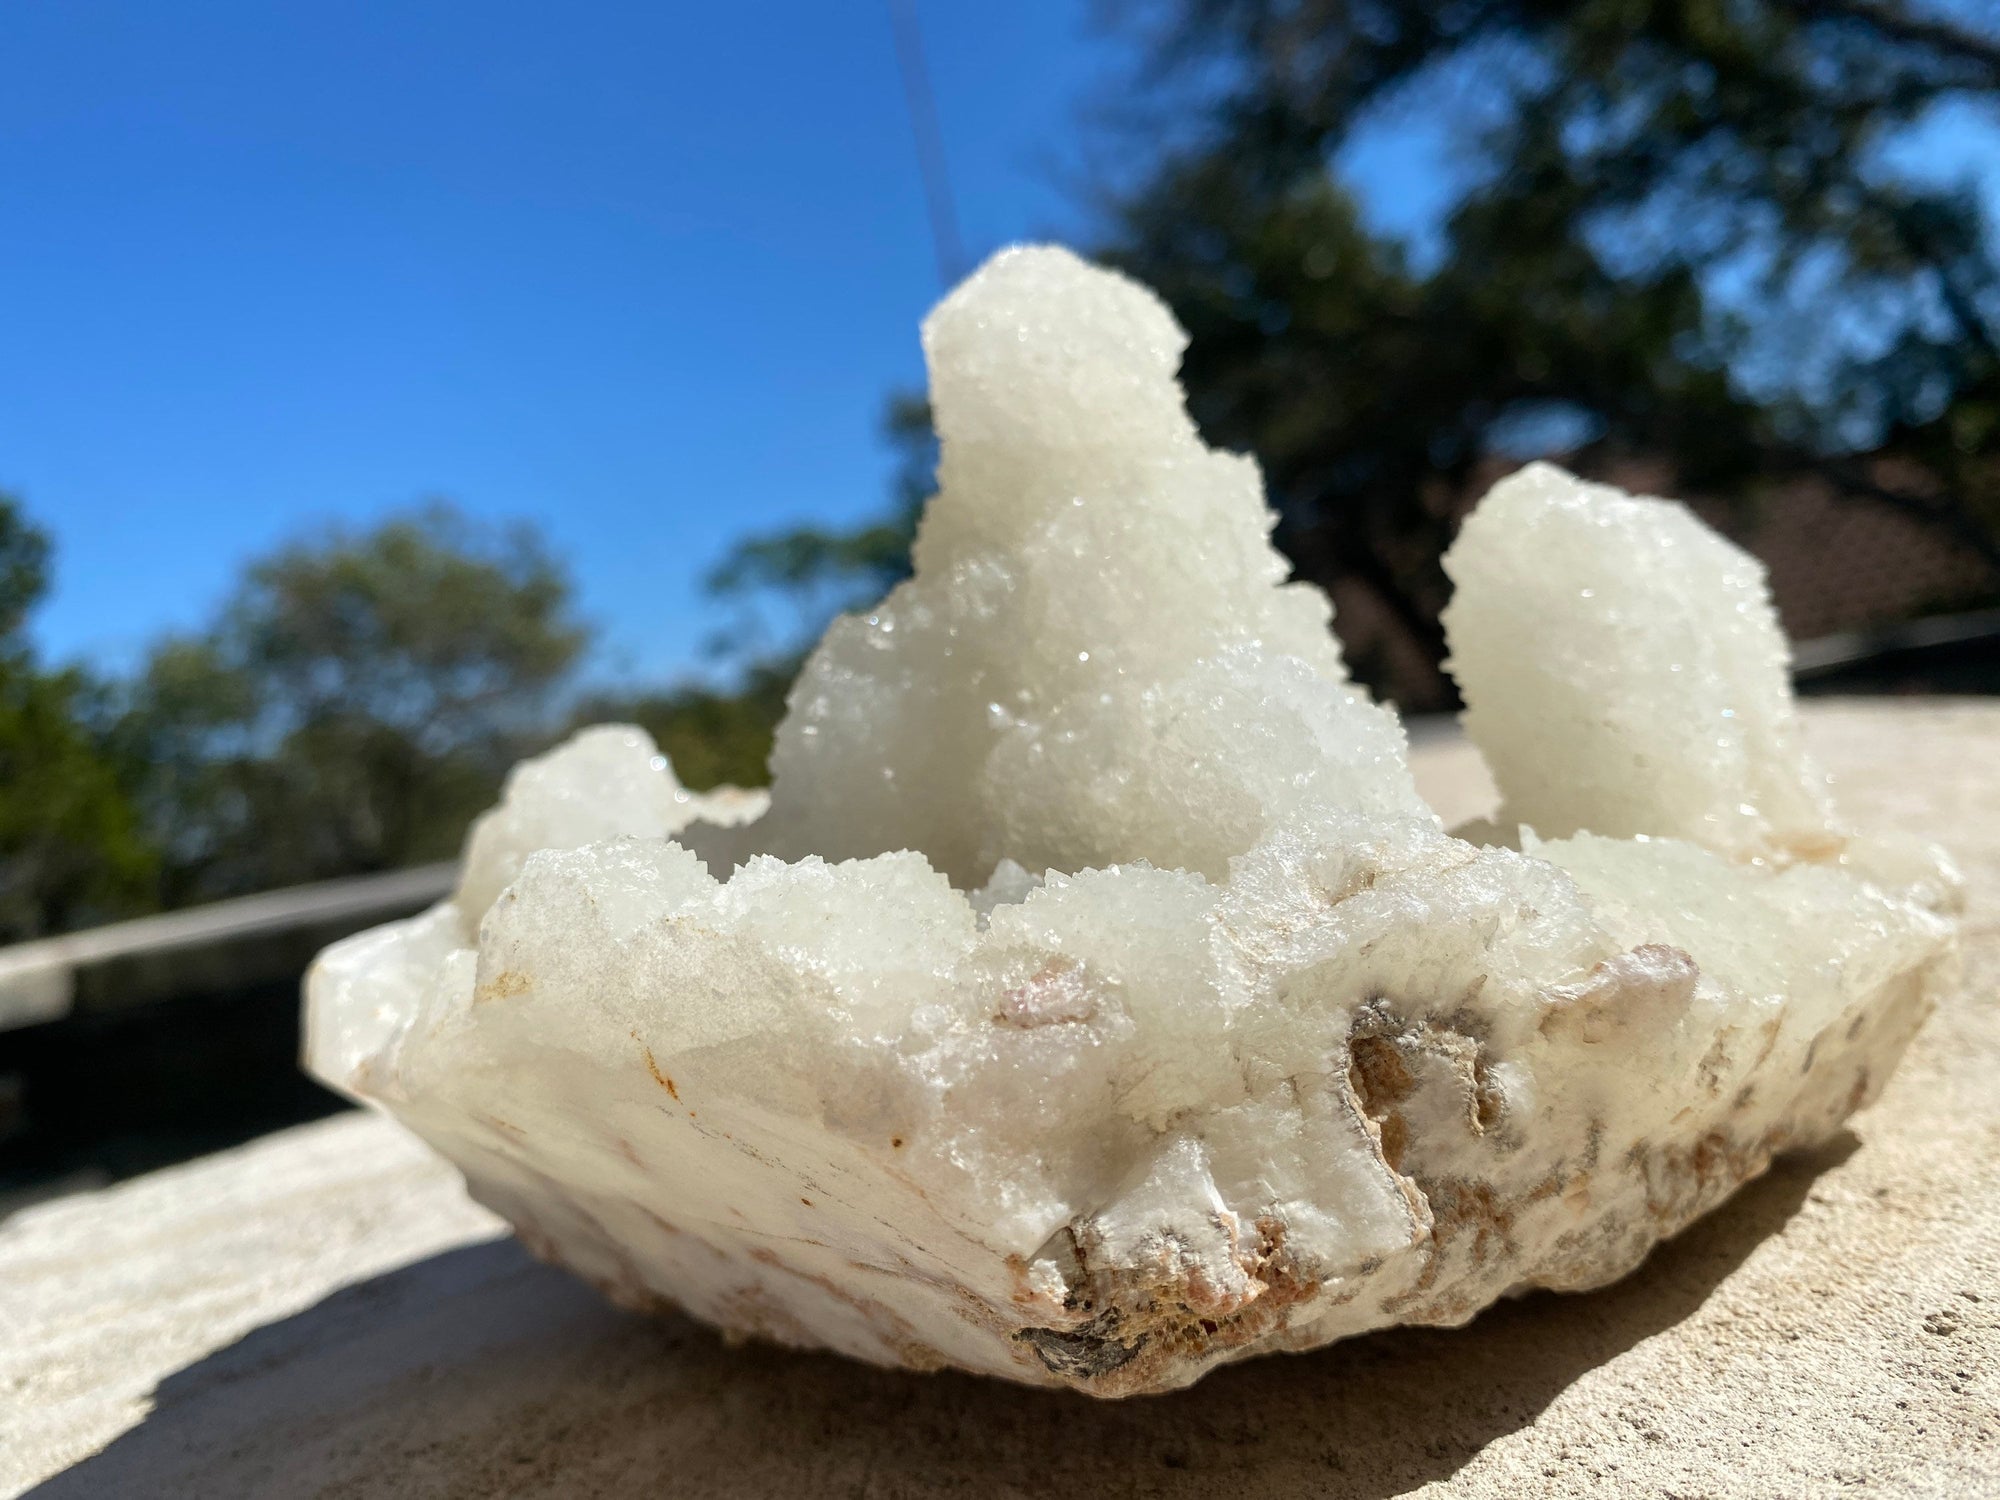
1097	1001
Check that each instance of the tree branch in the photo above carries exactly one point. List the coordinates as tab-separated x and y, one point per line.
1896	22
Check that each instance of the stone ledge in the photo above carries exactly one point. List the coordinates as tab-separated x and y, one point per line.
225	945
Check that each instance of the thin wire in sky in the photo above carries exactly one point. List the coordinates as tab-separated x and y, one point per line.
930	142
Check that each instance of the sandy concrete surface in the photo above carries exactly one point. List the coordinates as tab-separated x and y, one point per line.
323	1314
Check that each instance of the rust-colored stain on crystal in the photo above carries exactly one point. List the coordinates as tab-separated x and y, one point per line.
660	1078
502	986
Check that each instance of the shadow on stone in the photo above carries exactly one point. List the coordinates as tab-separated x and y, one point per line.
481	1373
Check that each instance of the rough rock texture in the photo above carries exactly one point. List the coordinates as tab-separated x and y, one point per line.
325	1314
1152	1020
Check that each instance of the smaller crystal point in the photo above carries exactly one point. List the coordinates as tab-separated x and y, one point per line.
1625	671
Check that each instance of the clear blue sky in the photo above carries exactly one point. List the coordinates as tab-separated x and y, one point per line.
640	273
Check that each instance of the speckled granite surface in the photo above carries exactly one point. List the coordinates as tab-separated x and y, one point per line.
323	1313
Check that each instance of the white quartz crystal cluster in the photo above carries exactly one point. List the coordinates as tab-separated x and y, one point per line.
1097	1001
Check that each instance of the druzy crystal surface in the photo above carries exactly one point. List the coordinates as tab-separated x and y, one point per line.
1097	1000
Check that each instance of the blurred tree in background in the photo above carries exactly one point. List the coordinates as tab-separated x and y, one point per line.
353	706
71	849
351	709
1686	241
712	735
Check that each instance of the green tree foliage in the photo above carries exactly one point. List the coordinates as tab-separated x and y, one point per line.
1684	242
712	735
1684	239
71	851
353	706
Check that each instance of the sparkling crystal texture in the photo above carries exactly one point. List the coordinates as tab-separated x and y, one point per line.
1097	1001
